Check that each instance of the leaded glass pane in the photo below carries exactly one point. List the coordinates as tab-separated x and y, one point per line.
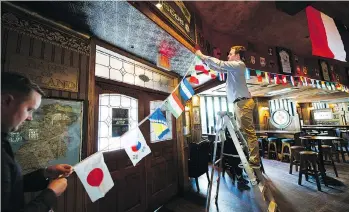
224	104
210	114
203	115
117	114
153	106
116	67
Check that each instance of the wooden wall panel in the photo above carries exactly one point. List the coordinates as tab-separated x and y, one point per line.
12	42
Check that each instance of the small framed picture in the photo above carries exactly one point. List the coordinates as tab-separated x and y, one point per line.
324	70
196	115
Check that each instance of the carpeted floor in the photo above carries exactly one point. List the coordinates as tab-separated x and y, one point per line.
289	195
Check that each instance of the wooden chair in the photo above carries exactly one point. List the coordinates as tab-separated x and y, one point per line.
327	157
198	161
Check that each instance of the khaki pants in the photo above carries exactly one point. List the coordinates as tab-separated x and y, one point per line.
244	117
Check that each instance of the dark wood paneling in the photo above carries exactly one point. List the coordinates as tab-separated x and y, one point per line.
73	200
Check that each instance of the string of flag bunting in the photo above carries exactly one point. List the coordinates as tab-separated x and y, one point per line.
93	172
267	77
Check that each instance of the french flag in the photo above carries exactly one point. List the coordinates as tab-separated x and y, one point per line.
329	38
221	76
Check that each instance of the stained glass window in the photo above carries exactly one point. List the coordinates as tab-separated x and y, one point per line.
117	114
113	66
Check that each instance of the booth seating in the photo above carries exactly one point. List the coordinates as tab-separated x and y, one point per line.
295	157
272	150
198	160
309	166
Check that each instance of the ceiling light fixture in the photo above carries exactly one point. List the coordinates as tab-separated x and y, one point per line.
159	5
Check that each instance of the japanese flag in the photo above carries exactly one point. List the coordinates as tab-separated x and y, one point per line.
95	176
135	145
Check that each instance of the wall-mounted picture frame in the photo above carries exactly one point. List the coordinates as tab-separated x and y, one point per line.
284	60
196	115
324	70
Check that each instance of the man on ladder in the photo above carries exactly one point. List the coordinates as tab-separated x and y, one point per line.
237	93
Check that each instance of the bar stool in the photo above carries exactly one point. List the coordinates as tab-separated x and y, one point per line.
295	157
286	142
272	143
308	166
328	159
340	147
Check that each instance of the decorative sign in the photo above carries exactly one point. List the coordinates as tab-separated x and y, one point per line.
305	70
179	15
324	70
163	62
120	123
284	60
262	61
323	115
270	51
46	74
253	60
281	119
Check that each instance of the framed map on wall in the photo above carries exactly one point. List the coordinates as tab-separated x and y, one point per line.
53	136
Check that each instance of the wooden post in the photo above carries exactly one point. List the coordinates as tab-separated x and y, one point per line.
182	151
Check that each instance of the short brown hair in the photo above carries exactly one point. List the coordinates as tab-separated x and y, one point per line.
240	50
13	82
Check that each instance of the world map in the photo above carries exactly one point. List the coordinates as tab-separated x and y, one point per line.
52	137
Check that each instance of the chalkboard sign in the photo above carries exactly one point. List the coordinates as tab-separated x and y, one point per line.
120	122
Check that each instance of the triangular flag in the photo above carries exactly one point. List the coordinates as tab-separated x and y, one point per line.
247	74
221	76
292	82
301	80
312	83
318	84
259	75
186	90
333	86
338	86
323	86
200	66
213	74
159	124
276	79
267	77
135	145
305	81
328	85
174	105
94	176
284	80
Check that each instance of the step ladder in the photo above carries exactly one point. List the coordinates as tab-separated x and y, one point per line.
257	179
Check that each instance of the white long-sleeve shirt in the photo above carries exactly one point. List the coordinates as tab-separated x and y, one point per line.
236	80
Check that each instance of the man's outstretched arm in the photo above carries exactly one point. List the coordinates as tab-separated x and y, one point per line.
218	65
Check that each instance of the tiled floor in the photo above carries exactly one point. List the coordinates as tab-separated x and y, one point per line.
289	195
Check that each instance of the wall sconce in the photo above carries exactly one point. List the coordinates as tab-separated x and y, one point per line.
196	101
159	5
264	108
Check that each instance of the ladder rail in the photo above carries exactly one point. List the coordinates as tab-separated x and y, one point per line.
226	121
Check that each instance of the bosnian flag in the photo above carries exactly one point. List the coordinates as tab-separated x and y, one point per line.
186	90
174	105
158	123
135	145
94	176
329	38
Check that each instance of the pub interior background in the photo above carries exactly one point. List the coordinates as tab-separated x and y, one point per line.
104	61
